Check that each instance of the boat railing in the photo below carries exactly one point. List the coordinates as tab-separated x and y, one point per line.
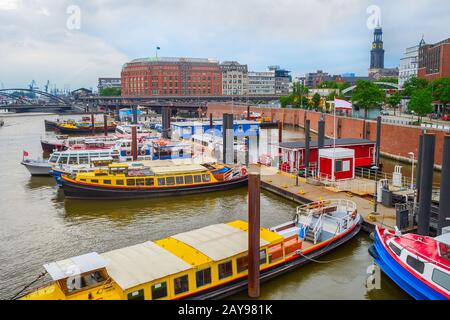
342	205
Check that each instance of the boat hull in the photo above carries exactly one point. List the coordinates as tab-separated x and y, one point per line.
82	191
401	276
241	284
50	125
49	147
37	170
64	130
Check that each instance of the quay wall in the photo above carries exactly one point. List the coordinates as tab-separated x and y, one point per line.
396	140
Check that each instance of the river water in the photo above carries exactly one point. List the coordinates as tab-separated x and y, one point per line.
37	225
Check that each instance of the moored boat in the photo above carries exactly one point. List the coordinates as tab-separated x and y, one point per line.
37	167
207	263
158	178
420	265
84	127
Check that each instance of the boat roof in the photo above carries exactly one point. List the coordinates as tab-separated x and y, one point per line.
76	265
142	263
327	143
218	241
187	168
443	238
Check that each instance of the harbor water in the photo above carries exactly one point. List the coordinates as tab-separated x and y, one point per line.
37	225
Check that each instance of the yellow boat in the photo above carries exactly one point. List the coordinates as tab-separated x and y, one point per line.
206	263
153	179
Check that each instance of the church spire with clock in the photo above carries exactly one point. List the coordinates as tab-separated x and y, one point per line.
377	52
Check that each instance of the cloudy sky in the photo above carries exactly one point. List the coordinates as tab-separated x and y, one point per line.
72	43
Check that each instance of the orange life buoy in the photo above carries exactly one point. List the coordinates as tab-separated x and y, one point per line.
244	171
143	152
128	153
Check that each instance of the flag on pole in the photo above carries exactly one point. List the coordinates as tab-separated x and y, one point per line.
158	48
24	154
340	104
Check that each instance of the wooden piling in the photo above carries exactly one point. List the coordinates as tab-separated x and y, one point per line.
105	124
134	146
254	203
426	183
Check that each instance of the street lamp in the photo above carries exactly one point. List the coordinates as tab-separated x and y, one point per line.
375	202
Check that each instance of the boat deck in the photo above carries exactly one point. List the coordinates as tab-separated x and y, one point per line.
284	185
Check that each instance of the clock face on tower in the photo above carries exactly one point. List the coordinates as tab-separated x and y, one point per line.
374	45
380	46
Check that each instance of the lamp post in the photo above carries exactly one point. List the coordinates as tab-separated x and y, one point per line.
375	202
411	154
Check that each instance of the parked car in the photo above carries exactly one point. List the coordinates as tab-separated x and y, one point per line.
384	112
445	117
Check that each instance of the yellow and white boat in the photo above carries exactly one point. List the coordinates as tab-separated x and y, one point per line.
206	263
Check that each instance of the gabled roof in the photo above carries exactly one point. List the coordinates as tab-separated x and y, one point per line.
219	241
142	263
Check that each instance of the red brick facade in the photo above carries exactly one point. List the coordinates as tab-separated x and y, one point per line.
434	61
396	140
171	77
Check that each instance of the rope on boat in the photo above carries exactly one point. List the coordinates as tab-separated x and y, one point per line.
29	285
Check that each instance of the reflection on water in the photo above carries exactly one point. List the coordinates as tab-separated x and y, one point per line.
38	225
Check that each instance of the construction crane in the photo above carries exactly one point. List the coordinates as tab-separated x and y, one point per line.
32	85
47	85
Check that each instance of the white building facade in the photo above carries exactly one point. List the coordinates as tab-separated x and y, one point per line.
261	83
234	78
408	65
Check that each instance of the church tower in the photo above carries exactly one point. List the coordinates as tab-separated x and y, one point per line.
377	52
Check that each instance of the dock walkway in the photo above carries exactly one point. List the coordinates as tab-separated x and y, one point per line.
284	185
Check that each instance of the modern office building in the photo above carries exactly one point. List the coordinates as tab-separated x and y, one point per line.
109	83
261	83
283	79
409	64
434	60
161	76
234	78
313	79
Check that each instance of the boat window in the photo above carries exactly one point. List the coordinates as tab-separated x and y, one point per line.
84	160
73	160
416	264
149	182
206	178
63	160
441	278
119	182
91	279
159	290
444	251
131	182
242	264
84	180
396	249
181	284
262	257
94	181
180	179
140	182
136	295
203	277
225	270
107	181
188	179
197	179
170	181
53	159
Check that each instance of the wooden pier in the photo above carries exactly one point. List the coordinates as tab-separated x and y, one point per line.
284	185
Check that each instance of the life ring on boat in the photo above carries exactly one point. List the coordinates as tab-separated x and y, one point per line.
354	214
143	152
244	171
128	153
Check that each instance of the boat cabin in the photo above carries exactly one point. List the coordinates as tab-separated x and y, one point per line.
336	164
74	157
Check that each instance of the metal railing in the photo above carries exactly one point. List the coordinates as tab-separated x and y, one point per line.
317	206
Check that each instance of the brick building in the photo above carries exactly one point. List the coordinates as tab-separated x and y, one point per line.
434	60
172	77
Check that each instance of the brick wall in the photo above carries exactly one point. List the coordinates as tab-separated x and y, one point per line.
396	140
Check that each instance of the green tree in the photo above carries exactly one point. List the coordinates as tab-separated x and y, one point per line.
388	80
297	98
109	92
441	90
316	100
413	84
367	95
421	103
394	100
